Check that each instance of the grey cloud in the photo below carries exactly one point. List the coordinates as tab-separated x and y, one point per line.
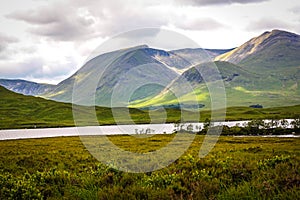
295	10
13	51
64	30
56	21
267	24
78	20
82	20
216	2
5	41
35	16
8	47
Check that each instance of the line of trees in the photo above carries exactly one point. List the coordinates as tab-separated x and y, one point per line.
253	127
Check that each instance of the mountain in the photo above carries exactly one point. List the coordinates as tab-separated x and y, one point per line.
121	72
265	70
122	69
270	51
243	88
139	64
26	87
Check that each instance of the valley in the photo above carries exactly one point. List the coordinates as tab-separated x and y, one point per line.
43	157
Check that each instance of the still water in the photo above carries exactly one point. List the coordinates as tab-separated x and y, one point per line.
111	130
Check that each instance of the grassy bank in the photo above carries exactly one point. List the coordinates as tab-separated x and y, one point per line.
237	168
19	111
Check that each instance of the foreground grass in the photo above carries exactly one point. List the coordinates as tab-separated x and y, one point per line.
237	168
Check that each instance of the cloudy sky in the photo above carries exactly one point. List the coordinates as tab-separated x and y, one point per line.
47	40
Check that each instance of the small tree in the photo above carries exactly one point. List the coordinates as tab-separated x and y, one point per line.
284	123
206	124
190	128
254	126
296	124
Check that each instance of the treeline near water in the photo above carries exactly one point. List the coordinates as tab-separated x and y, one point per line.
253	127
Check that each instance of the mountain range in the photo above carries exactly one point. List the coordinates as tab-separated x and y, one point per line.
26	87
265	70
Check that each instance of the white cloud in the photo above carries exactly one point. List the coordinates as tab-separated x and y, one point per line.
267	24
199	24
20	69
216	2
36	68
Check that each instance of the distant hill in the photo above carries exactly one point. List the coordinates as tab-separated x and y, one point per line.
26	87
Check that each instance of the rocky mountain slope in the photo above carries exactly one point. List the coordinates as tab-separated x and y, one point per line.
269	51
26	87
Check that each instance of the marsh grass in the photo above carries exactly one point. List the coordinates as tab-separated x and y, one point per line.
236	168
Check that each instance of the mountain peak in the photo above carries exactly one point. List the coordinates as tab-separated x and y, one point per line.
270	43
143	46
276	31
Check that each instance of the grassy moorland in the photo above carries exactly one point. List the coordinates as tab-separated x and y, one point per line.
237	168
19	111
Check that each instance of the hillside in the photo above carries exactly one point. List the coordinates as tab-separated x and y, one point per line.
131	67
243	88
153	69
20	111
112	71
270	51
265	70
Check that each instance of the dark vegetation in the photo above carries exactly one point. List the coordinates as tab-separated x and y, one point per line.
256	106
175	106
254	127
237	168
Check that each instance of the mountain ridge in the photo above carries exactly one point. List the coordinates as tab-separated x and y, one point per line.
266	67
269	50
26	87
